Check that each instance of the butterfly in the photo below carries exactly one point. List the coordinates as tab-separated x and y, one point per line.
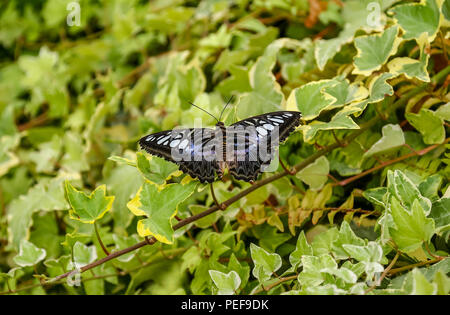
245	148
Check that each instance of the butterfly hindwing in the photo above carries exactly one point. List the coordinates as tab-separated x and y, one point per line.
259	150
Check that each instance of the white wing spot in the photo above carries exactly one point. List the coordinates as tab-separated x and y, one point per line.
261	131
163	139
268	126
183	144
278	120
174	143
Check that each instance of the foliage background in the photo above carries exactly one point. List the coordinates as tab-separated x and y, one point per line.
367	211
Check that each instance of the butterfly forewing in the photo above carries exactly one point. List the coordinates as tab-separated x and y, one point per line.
245	147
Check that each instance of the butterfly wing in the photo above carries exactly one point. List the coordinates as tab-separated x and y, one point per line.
255	148
192	149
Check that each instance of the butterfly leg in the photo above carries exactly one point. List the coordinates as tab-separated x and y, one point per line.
221	206
290	172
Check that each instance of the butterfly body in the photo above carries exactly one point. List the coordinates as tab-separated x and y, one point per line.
244	148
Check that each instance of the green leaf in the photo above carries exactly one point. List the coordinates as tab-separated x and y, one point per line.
374	50
341	120
29	254
418	18
265	263
88	208
302	248
314	268
156	170
315	174
392	138
429	125
83	255
227	284
441	214
46	196
160	205
405	191
310	100
420	284
411	68
206	221
412	227
345	237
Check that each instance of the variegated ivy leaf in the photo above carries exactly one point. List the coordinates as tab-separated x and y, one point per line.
8	159
310	100
29	254
418	18
160	205
226	283
406	192
88	208
341	120
392	138
155	169
430	125
378	89
411	68
265	263
374	50
83	254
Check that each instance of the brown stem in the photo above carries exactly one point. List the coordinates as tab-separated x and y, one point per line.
419	264
105	250
385	272
281	280
393	161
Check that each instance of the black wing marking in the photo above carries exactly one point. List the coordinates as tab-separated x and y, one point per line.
254	149
192	149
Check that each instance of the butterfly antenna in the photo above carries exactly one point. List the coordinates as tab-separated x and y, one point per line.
204	111
220	117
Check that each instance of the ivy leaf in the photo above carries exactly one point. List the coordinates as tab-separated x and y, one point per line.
429	125
345	237
412	68
371	256
341	120
412	227
88	209
418	18
441	215
29	254
314	268
265	263
156	170
315	174
310	100
227	283
392	137
83	255
302	248
160	206
374	50
405	191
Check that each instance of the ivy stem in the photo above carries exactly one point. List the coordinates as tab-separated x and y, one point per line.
105	250
385	272
281	280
